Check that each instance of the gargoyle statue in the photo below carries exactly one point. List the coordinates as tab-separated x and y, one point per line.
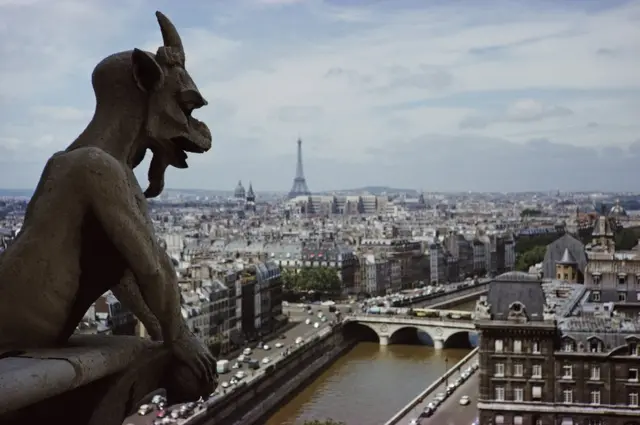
87	228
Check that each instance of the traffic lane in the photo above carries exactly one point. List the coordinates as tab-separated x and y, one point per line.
274	354
451	412
297	312
302	330
419	408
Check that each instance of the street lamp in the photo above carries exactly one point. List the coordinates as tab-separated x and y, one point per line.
446	369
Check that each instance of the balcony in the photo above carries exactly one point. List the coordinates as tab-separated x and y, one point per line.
95	380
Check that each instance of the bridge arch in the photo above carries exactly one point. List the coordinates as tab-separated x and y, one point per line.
410	335
360	332
460	339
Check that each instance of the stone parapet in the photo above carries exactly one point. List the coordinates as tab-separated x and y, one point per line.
94	380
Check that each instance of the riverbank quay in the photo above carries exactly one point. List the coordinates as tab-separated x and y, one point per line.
290	386
421	400
231	407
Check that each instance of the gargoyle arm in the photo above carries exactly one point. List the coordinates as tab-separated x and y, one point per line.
128	293
108	191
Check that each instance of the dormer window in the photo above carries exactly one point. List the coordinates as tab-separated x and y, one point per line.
568	345
595	345
633	348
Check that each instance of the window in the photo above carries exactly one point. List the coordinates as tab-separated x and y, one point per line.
567	346
518	394
595	345
537	420
517	420
566	276
567	371
536	371
595	373
633	399
633	349
622	296
622	279
535	347
633	375
595	296
498	346
499	419
594	422
499	369
595	397
536	392
500	393
567	396
518	369
517	346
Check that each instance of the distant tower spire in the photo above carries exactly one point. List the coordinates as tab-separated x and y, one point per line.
299	187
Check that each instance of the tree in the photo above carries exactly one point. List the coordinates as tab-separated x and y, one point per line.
534	256
323	422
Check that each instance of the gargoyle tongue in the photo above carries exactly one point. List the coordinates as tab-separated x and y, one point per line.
159	164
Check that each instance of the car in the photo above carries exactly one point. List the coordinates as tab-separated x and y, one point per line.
279	345
316	325
414	421
299	340
266	360
236	365
283	336
308	321
310	312
246	351
145	409
241	358
323	319
266	347
464	400
429	411
233	381
161	414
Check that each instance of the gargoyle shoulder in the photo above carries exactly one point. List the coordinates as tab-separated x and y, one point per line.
92	162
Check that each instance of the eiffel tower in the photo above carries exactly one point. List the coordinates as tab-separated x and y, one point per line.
299	183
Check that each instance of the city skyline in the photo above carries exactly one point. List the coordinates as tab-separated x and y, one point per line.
493	97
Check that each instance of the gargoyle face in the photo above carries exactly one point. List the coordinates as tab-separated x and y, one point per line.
173	96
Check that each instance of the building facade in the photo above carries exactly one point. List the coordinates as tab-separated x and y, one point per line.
549	357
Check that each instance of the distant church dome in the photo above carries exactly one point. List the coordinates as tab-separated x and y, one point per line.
617	210
239	192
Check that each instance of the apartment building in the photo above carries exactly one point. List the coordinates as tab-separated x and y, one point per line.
549	357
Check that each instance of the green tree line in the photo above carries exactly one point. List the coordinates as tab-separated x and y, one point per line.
316	279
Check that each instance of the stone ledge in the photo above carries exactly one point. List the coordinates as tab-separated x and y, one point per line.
96	379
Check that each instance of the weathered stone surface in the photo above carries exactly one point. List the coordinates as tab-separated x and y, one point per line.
87	230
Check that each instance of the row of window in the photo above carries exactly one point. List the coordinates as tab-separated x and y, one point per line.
518	420
623	279
516	346
633	374
594	345
622	296
567	396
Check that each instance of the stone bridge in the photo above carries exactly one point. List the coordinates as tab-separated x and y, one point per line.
439	329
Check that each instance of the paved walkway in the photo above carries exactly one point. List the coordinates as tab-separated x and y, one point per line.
450	412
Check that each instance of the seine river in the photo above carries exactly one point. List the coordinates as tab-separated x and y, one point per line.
369	384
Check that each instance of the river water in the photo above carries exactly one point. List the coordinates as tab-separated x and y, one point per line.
370	383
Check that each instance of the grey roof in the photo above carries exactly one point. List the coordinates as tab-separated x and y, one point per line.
567	258
555	252
517	277
613	332
503	292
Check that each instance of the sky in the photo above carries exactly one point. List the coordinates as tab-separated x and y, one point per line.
478	95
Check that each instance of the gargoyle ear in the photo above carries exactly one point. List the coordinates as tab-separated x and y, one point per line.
146	71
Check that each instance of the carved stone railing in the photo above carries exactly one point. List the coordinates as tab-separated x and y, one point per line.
95	380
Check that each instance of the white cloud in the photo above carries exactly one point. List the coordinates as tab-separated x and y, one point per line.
352	81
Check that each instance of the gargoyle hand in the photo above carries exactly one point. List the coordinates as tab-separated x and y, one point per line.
191	351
